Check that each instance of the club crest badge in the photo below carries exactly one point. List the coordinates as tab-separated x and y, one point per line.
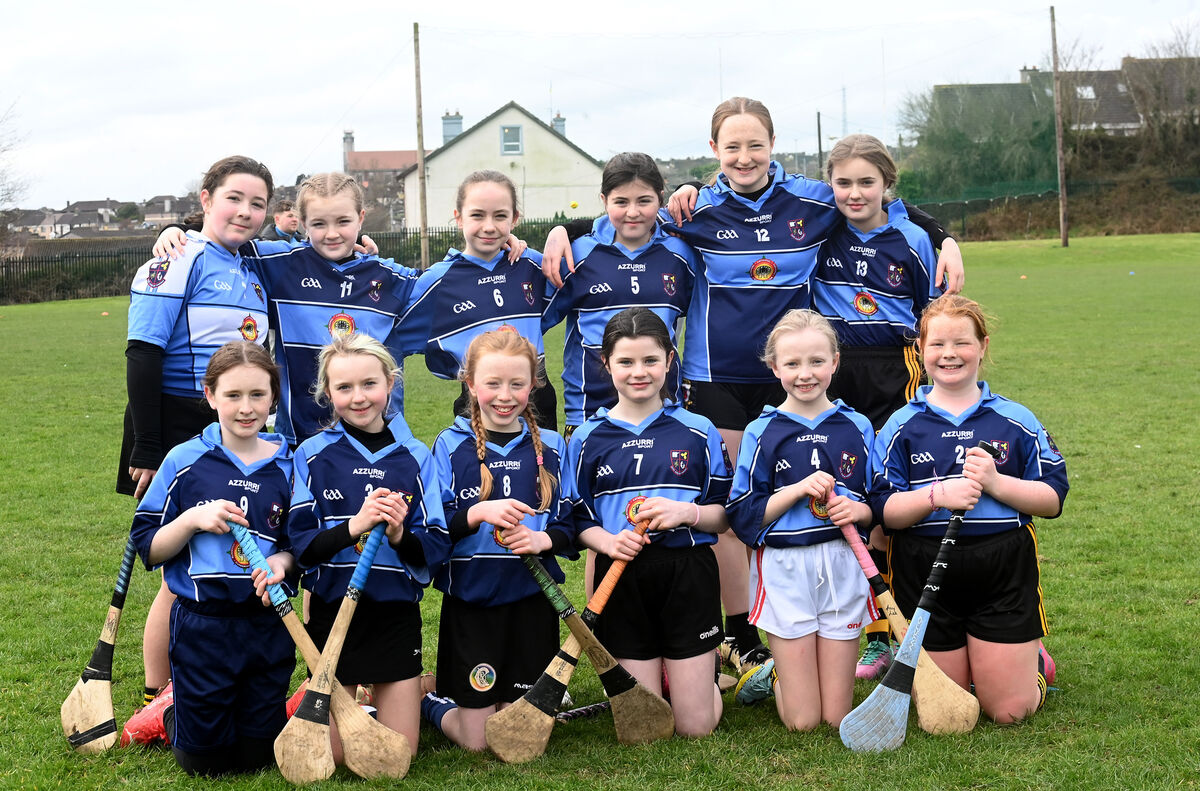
373	291
725	456
275	517
482	677
796	228
865	304
527	287
258	292
679	461
1050	442
341	324
1002	446
238	556
669	284
895	275
763	269
817	508
849	462
158	274
631	509
249	328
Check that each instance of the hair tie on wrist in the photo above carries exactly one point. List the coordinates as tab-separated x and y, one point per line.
696	521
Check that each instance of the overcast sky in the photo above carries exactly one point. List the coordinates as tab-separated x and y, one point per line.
125	101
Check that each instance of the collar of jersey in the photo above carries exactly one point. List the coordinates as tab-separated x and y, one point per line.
668	406
470	259
212	248
895	213
463	426
838	405
775	176
985	396
212	437
606	234
397	425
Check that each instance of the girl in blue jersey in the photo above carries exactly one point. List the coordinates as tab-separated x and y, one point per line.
802	474
874	276
505	492
230	657
480	289
180	312
648	459
626	260
321	289
988	621
367	470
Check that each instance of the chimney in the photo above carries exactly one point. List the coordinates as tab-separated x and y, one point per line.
347	148
451	126
559	124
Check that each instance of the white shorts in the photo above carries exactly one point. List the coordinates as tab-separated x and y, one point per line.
800	590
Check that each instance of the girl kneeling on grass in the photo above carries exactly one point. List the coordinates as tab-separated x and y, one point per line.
803	473
648	458
987	624
231	658
367	470
505	492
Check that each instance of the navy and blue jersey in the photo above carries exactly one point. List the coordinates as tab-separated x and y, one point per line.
313	299
608	279
212	567
334	475
193	305
781	448
756	259
874	286
480	571
673	454
922	444
464	296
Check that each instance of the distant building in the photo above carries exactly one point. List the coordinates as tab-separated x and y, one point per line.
549	171
165	209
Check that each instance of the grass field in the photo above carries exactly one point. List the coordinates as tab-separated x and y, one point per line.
1100	340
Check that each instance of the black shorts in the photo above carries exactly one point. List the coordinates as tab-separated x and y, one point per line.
182	419
383	642
875	381
731	405
489	655
666	604
543	397
991	589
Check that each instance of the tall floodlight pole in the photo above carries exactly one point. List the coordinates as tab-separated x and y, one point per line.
421	151
1058	136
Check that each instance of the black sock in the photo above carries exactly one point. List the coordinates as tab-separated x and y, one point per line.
745	635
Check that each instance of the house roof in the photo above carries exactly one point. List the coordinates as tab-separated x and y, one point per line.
380	160
93	205
488	119
1099	98
1162	84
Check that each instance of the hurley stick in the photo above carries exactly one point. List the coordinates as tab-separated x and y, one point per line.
644	717
87	713
369	748
521	732
302	749
942	705
881	721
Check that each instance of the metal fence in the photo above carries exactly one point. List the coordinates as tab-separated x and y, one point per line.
78	269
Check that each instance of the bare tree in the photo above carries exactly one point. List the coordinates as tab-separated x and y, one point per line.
1166	87
12	187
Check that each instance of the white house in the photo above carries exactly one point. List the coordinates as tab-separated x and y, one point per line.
548	169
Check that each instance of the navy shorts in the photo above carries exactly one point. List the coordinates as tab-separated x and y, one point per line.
731	405
383	642
991	589
230	666
489	655
666	604
875	381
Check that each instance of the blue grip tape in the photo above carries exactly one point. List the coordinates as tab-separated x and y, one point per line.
374	539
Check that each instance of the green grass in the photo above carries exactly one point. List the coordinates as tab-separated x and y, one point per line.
1107	359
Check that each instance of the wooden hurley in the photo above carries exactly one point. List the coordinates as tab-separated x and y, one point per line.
87	713
303	749
521	732
942	705
369	748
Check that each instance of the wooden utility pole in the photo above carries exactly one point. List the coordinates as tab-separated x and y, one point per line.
1058	136
421	151
820	151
